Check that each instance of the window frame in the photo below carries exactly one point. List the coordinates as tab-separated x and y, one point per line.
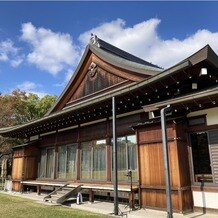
91	178
46	160
127	159
66	156
209	184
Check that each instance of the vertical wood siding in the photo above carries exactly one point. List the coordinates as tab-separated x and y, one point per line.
152	167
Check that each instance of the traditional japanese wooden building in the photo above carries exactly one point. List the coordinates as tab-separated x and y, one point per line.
72	143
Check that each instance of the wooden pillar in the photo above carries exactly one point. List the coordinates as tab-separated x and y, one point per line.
91	196
38	189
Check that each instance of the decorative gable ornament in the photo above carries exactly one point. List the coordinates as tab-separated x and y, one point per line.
94	40
92	69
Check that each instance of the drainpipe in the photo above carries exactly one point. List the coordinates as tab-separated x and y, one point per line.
166	160
115	156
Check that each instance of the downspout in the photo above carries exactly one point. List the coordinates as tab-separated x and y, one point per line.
166	160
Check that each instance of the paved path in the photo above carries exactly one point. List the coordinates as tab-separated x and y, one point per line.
107	208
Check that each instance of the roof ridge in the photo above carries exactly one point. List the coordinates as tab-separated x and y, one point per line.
94	40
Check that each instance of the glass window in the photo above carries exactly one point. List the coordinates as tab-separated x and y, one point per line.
86	160
99	160
122	159
196	121
201	157
71	162
62	162
93	160
132	157
50	163
126	157
42	169
67	161
46	169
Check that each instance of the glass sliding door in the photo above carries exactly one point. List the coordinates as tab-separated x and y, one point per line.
42	164
71	162
93	160
99	160
50	163
126	157
132	156
67	161
86	160
61	162
122	160
46	169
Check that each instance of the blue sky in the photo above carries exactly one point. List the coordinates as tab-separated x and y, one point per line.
42	42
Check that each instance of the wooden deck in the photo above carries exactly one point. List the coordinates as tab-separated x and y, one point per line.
87	186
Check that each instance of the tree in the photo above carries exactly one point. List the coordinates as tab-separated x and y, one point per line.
19	107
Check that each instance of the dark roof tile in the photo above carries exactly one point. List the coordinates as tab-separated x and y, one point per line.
118	52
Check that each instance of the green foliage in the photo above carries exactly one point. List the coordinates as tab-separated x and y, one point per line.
18	108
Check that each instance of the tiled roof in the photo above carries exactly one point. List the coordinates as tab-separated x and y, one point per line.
119	52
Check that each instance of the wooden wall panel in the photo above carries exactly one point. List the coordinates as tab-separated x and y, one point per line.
157	199
153	133
92	132
30	168
150	161
17	169
24	165
93	83
31	151
124	125
67	137
151	170
18	152
48	140
16	186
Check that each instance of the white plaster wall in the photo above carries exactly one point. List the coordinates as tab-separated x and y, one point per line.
205	199
211	115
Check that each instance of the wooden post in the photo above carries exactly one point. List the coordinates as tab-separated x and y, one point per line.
38	189
91	196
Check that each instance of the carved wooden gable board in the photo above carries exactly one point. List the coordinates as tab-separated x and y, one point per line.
100	77
96	80
94	77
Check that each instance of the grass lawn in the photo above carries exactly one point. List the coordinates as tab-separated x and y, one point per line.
16	207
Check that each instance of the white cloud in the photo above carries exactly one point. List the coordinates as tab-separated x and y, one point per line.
30	87
9	53
52	52
143	40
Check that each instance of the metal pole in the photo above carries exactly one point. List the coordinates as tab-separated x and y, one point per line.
115	157
166	161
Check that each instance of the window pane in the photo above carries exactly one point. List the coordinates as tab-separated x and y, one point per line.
42	166
201	157
71	161
99	160
126	158
86	161
122	160
50	163
62	162
132	157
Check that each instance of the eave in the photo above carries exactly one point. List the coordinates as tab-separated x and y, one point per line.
69	116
